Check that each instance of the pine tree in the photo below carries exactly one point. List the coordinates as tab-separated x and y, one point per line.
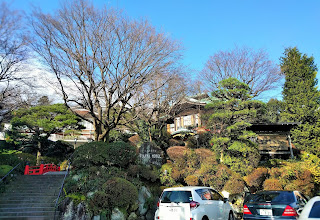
230	113
301	98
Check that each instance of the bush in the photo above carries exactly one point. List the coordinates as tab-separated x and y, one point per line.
192	180
256	178
272	184
59	149
192	142
100	202
4	169
122	192
174	142
235	185
204	139
100	153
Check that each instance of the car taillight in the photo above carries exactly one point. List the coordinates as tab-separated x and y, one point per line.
194	205
158	204
246	210
289	211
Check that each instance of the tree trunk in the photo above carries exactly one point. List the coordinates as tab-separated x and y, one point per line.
39	154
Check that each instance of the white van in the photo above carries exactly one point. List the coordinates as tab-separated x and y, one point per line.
193	203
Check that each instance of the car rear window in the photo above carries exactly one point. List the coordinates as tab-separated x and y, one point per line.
176	196
315	210
283	197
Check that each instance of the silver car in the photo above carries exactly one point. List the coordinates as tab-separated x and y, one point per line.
194	203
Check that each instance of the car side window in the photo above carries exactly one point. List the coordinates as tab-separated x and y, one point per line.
204	194
216	195
315	210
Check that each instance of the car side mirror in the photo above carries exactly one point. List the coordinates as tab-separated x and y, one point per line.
299	211
225	200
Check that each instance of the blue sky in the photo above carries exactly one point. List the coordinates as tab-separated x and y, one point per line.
205	27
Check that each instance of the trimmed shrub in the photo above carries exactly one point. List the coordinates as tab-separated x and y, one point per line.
192	180
206	155
235	185
174	142
272	184
122	192
176	152
108	154
257	177
101	201
121	153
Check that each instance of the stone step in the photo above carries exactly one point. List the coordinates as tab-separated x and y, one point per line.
26	209
26	218
29	214
31	197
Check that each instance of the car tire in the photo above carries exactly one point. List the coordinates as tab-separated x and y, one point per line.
205	218
231	216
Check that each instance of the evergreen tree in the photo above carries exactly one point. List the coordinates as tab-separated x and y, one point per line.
301	98
300	93
41	122
230	113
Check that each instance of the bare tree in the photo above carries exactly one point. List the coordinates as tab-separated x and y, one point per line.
168	91
251	67
13	54
103	61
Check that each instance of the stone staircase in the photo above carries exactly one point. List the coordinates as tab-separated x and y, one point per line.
31	197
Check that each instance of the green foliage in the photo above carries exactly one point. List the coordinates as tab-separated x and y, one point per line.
166	175
100	153
312	163
301	98
44	119
100	202
231	112
272	111
122	192
192	180
4	169
76	197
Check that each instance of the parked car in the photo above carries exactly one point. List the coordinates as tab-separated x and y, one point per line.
273	205
311	211
194	203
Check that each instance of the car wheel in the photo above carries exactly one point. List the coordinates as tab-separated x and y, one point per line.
231	217
205	218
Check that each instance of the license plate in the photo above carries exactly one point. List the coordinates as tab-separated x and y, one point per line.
173	209
267	212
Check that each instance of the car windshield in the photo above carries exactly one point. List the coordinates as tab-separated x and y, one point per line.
283	197
176	196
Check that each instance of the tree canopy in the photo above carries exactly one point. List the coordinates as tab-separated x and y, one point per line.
245	64
39	122
103	61
301	98
229	115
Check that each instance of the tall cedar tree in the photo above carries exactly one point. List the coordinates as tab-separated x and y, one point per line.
42	121
301	98
230	113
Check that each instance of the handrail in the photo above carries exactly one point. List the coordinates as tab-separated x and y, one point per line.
61	188
10	172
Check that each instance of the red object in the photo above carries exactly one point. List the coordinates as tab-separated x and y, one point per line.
246	210
39	170
289	211
194	205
